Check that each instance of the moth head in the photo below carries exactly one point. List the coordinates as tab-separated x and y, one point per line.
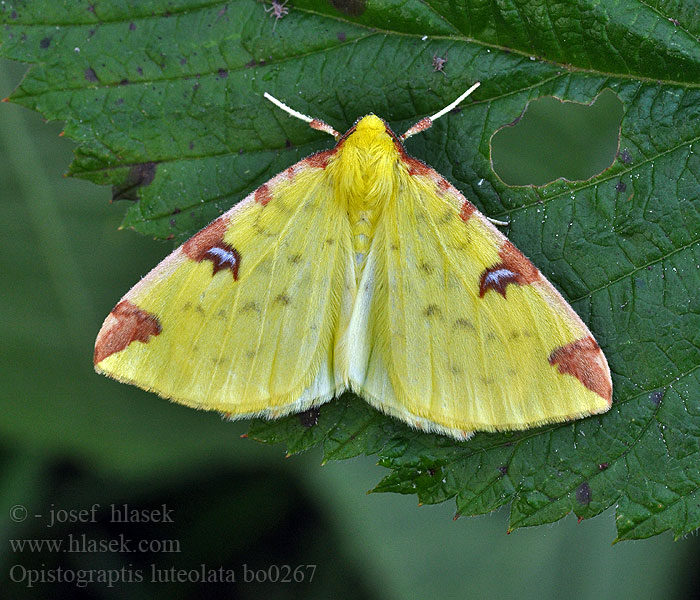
371	135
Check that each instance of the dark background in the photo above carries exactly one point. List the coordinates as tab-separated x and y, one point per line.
71	438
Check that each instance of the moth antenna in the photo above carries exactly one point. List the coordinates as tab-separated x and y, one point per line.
426	122
313	123
499	223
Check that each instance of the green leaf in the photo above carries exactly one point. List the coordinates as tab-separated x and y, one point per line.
165	101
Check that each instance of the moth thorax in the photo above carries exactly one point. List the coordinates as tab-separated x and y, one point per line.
365	179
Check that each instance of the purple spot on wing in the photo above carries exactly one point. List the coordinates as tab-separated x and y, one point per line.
497	279
513	268
224	257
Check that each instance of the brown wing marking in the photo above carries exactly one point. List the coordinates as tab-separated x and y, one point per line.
125	324
584	360
513	267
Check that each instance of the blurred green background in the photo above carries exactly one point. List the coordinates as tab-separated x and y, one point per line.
71	439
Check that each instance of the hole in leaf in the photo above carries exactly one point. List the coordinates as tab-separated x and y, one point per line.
554	139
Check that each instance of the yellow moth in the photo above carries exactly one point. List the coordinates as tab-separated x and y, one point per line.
358	268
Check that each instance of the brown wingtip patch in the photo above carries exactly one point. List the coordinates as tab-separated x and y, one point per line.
514	267
262	194
125	324
584	360
209	244
320	160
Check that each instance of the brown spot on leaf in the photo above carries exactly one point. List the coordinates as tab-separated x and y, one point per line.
132	26
602	466
45	43
140	175
341	36
625	156
143	174
656	397
309	418
90	74
621	186
125	324
353	8
583	493
223	73
584	360
262	194
513	268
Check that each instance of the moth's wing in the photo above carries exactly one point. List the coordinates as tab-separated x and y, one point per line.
463	333
241	317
